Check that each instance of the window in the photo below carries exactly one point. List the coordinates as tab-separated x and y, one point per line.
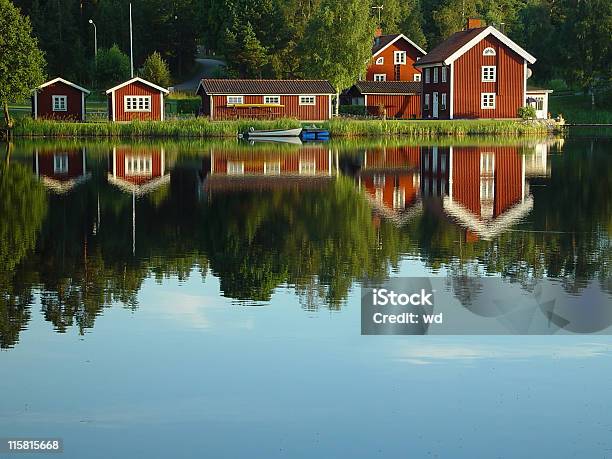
399	57
137	103
488	52
232	100
380	77
272	100
380	61
426	101
539	103
487	100
379	180
444	69
489	72
417	77
487	163
307	100
272	168
399	198
308	167
138	165
60	164
443	104
60	103
427	75
235	168
435	72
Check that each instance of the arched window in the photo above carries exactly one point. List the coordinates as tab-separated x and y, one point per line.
380	61
488	52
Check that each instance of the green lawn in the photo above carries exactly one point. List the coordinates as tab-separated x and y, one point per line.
577	108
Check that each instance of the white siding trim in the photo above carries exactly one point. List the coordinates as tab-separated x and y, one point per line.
35	105
524	83
401	35
451	95
330	107
161	106
114	108
211	107
83	108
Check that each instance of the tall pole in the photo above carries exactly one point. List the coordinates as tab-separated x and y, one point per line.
131	44
95	37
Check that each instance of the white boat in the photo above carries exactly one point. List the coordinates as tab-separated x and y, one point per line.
289	140
274	133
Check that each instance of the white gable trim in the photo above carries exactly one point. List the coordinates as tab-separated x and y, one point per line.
485	33
140	80
401	35
61	80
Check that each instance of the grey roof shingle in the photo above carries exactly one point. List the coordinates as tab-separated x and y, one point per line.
449	46
389	87
256	87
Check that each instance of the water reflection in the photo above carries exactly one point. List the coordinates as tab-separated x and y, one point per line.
315	219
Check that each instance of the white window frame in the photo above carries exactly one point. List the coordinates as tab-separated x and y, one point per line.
487	100
443	101
308	167
489	52
60	164
234	100
271	100
380	77
487	163
133	104
399	57
308	99
417	77
138	165
435	74
272	167
427	75
426	103
444	72
235	168
380	60
489	73
59	103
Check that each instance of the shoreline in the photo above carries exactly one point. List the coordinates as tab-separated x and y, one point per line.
339	128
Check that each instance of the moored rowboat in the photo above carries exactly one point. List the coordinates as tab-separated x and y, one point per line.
274	133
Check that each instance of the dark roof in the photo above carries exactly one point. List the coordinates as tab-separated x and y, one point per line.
256	87
389	87
382	41
449	46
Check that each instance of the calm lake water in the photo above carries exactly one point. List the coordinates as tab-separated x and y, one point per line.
191	299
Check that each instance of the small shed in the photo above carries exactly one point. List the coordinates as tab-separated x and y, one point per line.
399	99
538	98
59	99
307	100
136	99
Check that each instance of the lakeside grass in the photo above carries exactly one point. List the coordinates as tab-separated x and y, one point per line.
577	109
201	128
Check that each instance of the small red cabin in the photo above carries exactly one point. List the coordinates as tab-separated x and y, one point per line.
393	58
136	99
307	100
59	99
396	99
475	73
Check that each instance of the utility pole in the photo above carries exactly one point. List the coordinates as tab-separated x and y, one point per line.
379	8
131	45
95	37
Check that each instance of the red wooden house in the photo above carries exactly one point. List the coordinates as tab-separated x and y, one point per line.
136	99
396	99
308	100
61	171
138	170
59	99
475	73
393	59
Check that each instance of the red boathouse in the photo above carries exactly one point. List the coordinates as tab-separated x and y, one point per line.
475	73
136	99
394	99
307	100
59	99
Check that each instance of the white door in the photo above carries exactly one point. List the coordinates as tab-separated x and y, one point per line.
435	104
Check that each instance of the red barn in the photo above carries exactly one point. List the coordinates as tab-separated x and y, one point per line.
61	170
393	59
136	99
307	100
59	99
475	73
399	99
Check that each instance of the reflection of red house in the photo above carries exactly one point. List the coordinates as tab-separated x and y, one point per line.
487	190
59	99
391	179
61	171
138	170
232	170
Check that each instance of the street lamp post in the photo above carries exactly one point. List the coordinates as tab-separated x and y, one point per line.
95	37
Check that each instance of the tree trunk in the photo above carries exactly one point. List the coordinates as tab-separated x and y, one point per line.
9	149
7	116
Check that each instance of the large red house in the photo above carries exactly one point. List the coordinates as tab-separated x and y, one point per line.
136	99
59	99
394	99
307	100
475	73
393	59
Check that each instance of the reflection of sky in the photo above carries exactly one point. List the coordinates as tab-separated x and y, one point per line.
191	371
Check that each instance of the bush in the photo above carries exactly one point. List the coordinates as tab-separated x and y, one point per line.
112	66
155	70
527	113
358	110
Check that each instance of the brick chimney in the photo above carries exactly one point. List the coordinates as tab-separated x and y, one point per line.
474	23
378	32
